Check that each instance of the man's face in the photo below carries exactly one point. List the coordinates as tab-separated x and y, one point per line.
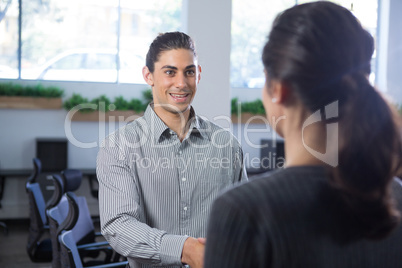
174	80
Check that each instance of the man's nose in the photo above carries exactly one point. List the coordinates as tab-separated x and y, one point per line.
180	81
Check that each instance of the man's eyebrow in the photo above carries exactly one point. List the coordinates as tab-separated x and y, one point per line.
169	67
190	66
175	68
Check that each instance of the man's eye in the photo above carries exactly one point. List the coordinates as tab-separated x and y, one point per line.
169	72
190	73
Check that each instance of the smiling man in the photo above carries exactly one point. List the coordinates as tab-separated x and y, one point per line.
159	175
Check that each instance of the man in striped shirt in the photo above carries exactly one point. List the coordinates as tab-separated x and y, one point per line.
159	175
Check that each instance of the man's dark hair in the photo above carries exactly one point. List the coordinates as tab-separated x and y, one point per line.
165	42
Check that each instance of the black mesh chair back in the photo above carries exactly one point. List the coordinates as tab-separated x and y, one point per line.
57	207
73	214
84	229
56	213
58	184
38	247
79	223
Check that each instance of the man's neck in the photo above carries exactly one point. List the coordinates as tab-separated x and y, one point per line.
175	121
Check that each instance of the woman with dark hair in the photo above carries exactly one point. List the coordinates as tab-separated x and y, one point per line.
337	202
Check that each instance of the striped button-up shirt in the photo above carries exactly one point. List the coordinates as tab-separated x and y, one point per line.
155	191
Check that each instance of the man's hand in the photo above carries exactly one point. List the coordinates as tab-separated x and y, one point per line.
202	240
193	252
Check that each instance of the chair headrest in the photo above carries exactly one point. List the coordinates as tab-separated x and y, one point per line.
72	215
37	164
37	169
72	179
58	192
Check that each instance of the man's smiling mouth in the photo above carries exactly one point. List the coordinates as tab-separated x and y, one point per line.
179	97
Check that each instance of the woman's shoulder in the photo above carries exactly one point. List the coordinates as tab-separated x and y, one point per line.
289	177
275	186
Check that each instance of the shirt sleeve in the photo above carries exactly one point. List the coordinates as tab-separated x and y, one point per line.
120	214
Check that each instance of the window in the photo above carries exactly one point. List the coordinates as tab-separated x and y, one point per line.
9	39
92	40
251	23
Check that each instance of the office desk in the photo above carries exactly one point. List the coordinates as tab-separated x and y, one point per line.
25	173
11	173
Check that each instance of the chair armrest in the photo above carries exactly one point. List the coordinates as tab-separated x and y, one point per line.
114	264
95	244
92	251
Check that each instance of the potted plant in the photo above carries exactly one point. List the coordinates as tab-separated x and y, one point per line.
103	109
14	96
251	112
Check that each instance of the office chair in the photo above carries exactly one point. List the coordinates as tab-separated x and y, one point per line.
4	225
38	247
73	223
71	255
72	179
75	216
56	213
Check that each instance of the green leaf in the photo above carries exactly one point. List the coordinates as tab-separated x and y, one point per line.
103	103
253	107
9	89
136	105
121	104
74	101
147	96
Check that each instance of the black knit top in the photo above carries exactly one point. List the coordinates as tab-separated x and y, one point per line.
293	218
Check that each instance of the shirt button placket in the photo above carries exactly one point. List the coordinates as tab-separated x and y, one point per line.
184	191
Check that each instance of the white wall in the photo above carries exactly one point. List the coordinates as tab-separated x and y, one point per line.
382	47
394	51
209	23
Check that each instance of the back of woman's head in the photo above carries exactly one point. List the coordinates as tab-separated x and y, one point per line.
321	51
312	46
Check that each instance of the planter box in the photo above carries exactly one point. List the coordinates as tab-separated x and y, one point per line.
116	116
11	102
248	118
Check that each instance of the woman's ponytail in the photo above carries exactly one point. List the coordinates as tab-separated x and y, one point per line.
369	157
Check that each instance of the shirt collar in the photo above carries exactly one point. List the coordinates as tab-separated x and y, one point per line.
159	129
196	125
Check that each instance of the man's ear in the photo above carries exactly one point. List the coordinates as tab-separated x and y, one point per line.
199	74
148	77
